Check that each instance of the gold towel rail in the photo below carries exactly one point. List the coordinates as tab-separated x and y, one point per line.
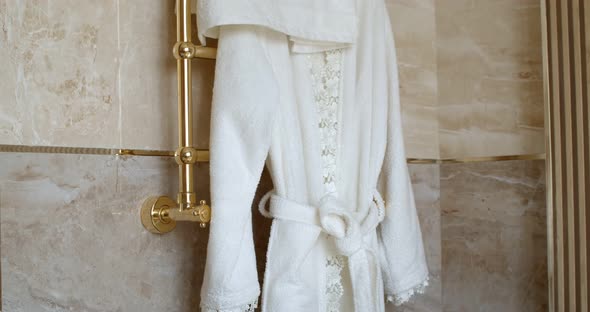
160	213
203	155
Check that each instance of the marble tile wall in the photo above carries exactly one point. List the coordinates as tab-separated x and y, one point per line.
72	240
490	92
101	74
94	74
59	63
69	220
87	74
494	236
414	28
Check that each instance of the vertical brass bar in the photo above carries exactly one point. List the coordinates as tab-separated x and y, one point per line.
577	43
547	82
568	165
557	100
547	91
560	269
160	213
186	195
584	16
584	126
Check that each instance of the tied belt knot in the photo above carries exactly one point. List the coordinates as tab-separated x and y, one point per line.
348	229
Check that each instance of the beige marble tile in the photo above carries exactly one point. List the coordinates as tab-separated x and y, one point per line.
148	74
72	240
415	33
490	91
79	73
494	236
10	127
59	72
425	180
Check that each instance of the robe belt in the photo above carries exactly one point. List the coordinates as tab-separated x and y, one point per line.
348	229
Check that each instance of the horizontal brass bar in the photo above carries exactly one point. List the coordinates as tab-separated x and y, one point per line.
203	155
134	152
205	52
492	158
416	161
423	161
6	148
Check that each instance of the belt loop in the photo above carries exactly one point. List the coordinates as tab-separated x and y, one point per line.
379	204
262	205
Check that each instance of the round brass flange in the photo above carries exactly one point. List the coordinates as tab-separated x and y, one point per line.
204	212
154	214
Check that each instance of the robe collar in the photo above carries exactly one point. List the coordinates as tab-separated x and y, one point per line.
311	25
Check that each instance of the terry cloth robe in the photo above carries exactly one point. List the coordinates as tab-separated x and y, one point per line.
309	88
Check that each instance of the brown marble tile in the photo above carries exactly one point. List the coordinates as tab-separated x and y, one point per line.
494	236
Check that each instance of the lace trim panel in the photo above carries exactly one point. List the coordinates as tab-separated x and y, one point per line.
249	307
334	289
325	70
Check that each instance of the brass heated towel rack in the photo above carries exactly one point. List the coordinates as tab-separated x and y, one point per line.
159	214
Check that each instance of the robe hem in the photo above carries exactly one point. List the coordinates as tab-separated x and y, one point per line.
249	307
229	301
404	296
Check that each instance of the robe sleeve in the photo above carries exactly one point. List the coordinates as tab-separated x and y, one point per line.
401	248
244	99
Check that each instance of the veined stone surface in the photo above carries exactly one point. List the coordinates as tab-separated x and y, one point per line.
494	245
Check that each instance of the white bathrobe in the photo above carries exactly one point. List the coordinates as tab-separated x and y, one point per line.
309	87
